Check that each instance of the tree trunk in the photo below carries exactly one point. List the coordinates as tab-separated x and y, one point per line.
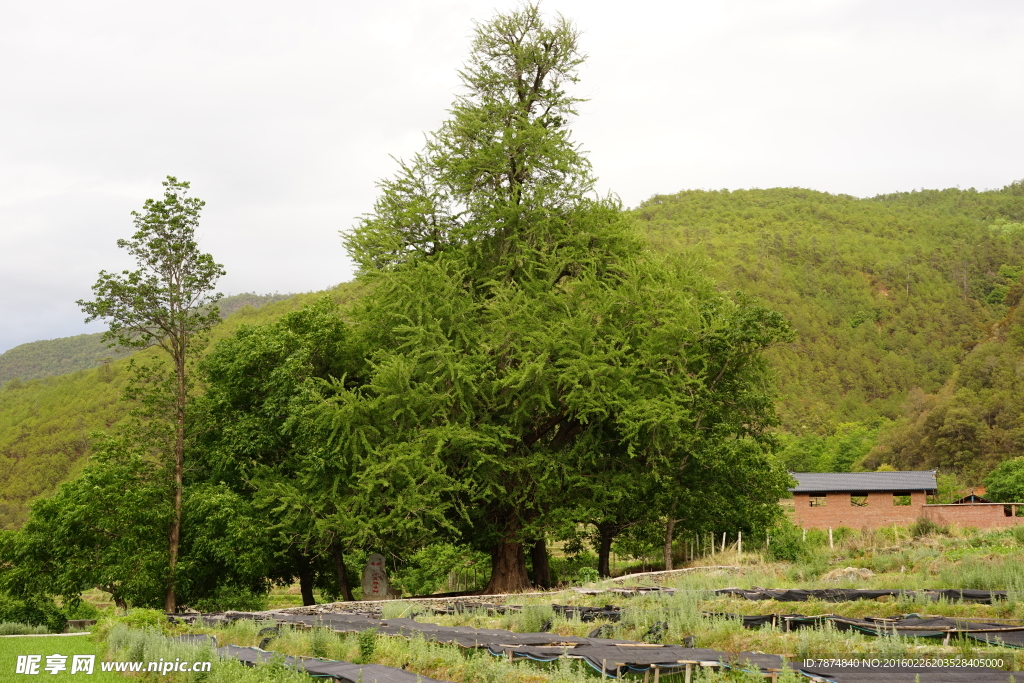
606	530
670	527
306	583
174	537
539	559
508	569
344	590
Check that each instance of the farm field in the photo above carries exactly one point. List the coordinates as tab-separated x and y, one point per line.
884	559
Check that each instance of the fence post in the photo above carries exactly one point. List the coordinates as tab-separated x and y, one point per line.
831	545
739	544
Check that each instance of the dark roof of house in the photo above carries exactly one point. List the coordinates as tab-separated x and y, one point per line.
973	498
823	482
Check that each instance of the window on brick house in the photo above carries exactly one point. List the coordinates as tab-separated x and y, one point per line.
901	499
858	500
817	501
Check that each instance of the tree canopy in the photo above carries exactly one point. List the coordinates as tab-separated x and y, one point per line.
517	328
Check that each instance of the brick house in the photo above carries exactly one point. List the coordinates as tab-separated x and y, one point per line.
870	500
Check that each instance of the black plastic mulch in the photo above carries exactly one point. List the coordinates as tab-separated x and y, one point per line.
616	657
849	594
588	614
910	625
632	591
341	671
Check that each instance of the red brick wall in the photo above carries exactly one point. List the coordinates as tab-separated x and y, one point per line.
983	516
880	512
838	511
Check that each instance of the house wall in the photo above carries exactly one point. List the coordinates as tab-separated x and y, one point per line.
880	512
838	511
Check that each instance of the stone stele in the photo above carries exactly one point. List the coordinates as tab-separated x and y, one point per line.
375	581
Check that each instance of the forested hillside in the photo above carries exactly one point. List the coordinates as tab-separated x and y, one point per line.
888	295
45	423
46	358
908	341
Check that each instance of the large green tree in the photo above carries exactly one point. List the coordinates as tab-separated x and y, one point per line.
167	302
256	423
518	329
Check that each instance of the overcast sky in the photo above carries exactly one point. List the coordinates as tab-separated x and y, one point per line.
283	116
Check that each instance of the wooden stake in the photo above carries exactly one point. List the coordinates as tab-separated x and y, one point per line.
830	543
739	544
723	541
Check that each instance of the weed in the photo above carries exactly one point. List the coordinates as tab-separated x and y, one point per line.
533	618
395	609
367	645
925	527
319	639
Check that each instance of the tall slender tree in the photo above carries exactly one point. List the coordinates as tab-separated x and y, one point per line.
166	302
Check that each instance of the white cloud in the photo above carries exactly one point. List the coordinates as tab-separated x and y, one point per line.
284	116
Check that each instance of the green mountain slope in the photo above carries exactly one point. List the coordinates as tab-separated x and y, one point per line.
45	358
886	294
40	359
45	423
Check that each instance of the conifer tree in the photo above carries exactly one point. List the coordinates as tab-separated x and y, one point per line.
517	329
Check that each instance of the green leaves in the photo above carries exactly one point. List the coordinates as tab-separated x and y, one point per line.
106	529
501	174
168	298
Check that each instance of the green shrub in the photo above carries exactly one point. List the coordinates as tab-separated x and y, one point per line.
9	628
428	569
535	618
144	618
924	527
35	611
367	645
319	640
568	568
231	598
787	543
82	610
1005	484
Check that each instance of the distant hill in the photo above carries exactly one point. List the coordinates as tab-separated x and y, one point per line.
40	359
45	423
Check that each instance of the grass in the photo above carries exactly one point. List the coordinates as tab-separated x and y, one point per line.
10	648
